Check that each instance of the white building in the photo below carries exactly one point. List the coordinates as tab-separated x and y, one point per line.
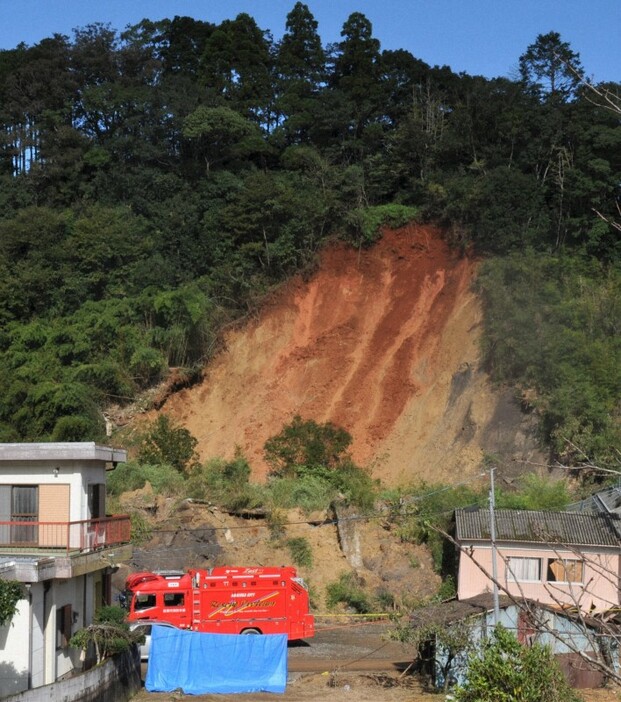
56	539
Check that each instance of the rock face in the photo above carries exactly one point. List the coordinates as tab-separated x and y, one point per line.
383	342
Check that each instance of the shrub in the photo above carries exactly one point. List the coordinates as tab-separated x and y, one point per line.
10	594
356	485
166	443
109	633
129	476
304	444
447	589
386	600
276	523
301	551
313	459
309	493
367	222
502	670
347	590
535	492
225	483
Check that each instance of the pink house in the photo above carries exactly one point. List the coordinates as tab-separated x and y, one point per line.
560	559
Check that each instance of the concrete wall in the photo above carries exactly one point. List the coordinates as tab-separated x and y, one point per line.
78	475
68	592
30	641
117	679
14	648
37	656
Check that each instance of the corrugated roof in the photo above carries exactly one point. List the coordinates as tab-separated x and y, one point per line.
570	528
447	613
443	613
606	500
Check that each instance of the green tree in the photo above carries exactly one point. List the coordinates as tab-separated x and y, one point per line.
236	67
356	72
10	594
184	45
551	68
305	443
109	634
166	443
301	70
219	133
551	329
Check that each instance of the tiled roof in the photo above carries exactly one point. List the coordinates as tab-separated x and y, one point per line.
570	528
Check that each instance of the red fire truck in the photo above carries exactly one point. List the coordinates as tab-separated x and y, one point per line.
224	600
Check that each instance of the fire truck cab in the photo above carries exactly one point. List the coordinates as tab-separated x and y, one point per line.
225	600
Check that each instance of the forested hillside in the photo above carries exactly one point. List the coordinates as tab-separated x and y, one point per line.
156	183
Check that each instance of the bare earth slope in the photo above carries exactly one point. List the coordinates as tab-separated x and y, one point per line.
383	342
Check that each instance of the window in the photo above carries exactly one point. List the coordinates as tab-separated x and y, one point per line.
24	508
96	501
64	622
144	602
173	599
565	570
519	569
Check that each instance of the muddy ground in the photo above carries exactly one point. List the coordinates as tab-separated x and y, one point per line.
347	662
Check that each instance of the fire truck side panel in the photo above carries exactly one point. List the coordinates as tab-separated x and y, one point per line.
226	600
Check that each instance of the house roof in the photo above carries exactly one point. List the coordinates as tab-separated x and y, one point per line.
444	613
571	528
606	500
58	451
453	611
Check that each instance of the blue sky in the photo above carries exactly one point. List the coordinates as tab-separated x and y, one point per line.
479	37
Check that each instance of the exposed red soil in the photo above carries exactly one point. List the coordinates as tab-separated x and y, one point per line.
371	342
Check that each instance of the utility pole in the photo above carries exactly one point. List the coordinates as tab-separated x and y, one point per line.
492	531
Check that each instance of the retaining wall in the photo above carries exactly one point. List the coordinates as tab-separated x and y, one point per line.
115	680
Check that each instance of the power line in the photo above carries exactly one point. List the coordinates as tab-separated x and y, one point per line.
331	522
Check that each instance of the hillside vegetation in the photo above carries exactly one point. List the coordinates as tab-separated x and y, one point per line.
157	183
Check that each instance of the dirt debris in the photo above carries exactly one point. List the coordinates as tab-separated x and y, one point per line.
383	342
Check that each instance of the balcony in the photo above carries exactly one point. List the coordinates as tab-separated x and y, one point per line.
64	537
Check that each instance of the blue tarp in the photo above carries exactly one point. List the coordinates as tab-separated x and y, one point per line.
199	663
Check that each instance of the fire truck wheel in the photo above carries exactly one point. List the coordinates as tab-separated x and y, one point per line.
254	632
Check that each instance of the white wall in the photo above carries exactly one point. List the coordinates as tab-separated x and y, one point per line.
69	592
14	648
37	637
75	473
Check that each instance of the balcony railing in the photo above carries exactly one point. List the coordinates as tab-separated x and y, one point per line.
84	536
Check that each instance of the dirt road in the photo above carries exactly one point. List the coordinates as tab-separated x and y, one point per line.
347	662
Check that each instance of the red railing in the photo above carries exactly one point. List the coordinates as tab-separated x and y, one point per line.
84	536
